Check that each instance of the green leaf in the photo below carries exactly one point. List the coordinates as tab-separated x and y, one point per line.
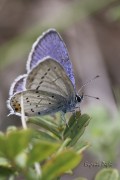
41	151
107	174
17	141
11	128
81	146
63	145
31	174
2	145
14	142
21	160
76	127
44	123
5	171
4	162
44	136
59	164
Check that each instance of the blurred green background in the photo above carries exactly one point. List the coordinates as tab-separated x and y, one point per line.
91	31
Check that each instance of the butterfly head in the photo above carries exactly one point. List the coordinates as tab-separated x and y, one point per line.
79	98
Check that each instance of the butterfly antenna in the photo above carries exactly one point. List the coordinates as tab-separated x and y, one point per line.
91	96
88	83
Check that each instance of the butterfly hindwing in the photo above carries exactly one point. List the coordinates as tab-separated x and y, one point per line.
18	85
37	102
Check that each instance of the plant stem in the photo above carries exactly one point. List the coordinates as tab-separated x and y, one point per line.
23	114
24	124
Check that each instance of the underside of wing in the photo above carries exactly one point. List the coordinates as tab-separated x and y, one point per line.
50	76
37	102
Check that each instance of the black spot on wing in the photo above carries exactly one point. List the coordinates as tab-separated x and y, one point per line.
27	100
32	110
40	82
37	88
26	114
45	74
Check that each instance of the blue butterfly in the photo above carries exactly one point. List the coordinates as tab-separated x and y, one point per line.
49	85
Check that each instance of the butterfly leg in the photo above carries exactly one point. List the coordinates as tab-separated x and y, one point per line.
74	113
77	107
63	118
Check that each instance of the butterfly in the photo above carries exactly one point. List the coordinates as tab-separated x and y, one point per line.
49	84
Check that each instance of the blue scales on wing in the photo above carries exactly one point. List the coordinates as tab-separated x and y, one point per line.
51	44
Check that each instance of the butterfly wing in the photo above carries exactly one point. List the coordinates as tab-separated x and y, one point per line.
37	103
50	76
49	90
50	44
18	85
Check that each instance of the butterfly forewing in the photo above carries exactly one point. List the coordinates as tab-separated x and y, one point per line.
50	76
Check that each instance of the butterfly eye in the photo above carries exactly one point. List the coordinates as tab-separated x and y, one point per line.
79	98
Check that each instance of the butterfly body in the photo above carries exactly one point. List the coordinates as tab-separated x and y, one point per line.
49	85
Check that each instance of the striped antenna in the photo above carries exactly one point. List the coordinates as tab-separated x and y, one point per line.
91	96
88	82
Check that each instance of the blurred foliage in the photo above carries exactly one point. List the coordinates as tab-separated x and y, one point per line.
103	134
47	152
52	144
108	174
114	13
78	10
105	174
